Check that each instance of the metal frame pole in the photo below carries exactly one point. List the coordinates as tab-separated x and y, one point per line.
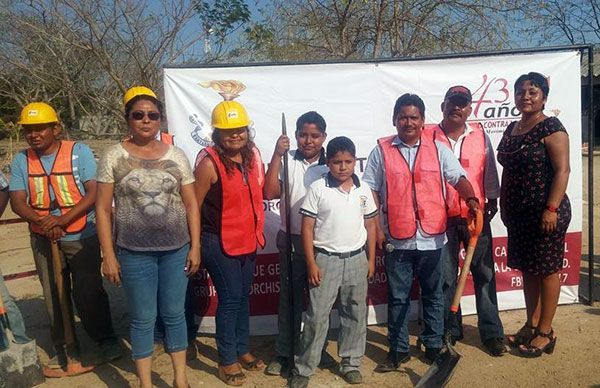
591	114
579	47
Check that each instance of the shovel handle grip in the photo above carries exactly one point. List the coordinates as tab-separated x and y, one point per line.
63	298
475	226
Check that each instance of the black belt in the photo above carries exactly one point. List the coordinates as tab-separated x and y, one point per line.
341	255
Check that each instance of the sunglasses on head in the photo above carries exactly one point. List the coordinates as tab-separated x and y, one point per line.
139	115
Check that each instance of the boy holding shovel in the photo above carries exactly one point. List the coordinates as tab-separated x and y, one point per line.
306	164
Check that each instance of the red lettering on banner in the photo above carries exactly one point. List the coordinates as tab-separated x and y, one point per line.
493	96
264	292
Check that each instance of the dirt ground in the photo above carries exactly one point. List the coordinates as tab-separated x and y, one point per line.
575	362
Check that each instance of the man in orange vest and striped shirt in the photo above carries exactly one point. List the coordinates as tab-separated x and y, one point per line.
53	187
473	148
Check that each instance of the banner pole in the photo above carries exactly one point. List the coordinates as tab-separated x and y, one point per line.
590	51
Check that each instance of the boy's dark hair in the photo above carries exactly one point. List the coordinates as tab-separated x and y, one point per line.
408	99
311	117
340	144
536	79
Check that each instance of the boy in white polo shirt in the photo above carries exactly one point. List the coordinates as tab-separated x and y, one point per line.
305	165
338	225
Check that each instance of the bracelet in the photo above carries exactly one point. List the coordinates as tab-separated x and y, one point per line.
551	209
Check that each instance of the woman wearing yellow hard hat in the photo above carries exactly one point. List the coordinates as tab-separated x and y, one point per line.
229	180
157	231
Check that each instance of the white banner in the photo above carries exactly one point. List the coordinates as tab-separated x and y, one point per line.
357	100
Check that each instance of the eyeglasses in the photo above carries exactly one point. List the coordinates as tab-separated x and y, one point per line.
459	102
139	115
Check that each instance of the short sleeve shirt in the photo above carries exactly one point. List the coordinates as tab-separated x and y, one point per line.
84	170
374	176
149	211
3	182
301	174
339	215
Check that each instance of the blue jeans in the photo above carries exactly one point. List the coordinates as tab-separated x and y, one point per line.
190	318
426	266
484	279
232	277
15	319
152	279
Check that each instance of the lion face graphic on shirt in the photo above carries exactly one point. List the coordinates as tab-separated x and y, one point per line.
148	186
150	190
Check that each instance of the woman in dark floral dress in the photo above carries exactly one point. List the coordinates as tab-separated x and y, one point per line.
535	209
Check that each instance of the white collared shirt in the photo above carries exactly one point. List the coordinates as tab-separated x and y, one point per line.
340	215
301	174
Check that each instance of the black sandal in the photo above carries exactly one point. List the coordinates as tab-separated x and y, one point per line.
522	337
531	351
255	365
235	379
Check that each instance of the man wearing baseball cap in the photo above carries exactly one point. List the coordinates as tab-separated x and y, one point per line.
473	148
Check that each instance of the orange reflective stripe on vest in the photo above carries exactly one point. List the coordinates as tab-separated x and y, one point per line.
242	215
62	182
472	159
413	196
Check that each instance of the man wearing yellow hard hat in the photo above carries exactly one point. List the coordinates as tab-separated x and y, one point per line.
53	187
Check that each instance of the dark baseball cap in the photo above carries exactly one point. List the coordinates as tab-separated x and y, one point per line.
459	91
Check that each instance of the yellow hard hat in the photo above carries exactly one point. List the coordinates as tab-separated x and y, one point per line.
137	91
229	115
38	113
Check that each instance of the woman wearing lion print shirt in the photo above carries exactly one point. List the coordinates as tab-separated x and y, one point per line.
157	231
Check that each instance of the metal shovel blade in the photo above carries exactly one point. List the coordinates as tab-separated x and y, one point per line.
442	369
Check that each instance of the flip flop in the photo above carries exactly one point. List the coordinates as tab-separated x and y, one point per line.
53	373
76	369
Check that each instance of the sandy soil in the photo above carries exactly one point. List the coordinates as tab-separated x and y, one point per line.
575	362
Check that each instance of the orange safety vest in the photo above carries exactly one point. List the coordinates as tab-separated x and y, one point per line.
472	158
413	196
242	214
63	183
166	138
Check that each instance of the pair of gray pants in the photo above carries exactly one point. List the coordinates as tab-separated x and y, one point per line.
15	319
81	262
348	278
